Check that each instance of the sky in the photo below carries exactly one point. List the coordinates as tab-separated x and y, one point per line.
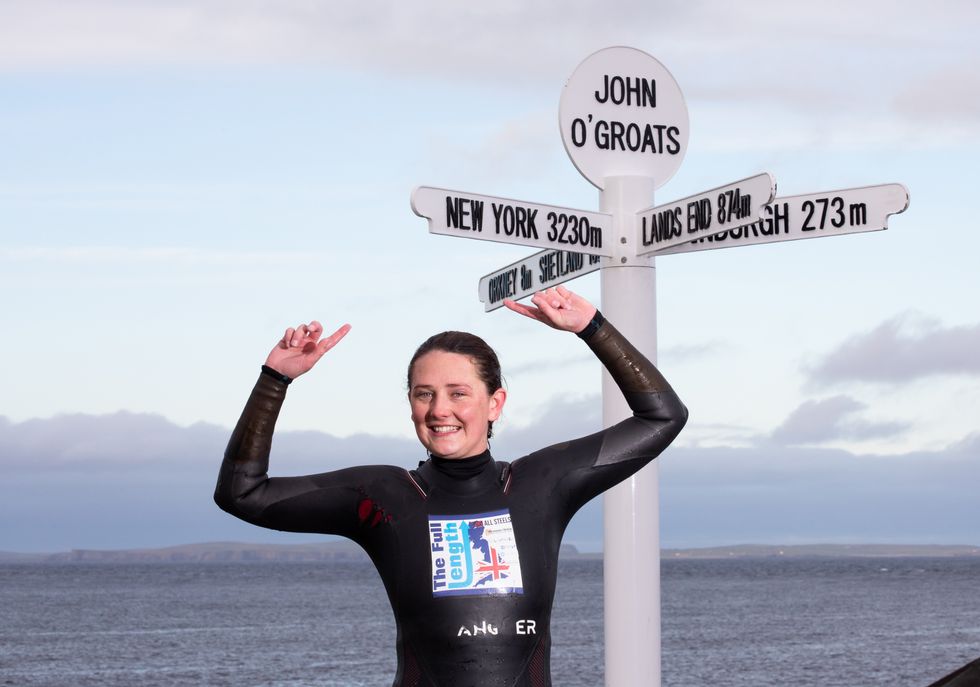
181	181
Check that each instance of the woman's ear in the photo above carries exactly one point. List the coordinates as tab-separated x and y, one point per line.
497	400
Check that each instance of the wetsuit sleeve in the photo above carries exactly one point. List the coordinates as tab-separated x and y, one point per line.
326	503
583	468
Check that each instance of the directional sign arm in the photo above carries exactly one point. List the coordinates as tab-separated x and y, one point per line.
703	214
532	274
488	218
830	213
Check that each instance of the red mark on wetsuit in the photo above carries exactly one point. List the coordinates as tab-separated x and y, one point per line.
370	513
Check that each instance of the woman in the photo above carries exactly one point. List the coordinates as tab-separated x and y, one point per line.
467	546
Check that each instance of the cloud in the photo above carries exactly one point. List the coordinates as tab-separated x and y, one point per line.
111	446
686	353
166	255
545	364
516	146
816	422
900	350
834	86
807	495
137	481
951	93
564	418
753	53
391	36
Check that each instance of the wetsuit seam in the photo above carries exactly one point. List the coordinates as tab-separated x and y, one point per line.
418	487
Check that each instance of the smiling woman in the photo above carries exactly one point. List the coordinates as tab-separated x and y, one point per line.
467	546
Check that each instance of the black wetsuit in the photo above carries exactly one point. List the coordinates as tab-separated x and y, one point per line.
467	549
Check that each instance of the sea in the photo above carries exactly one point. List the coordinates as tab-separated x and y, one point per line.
739	622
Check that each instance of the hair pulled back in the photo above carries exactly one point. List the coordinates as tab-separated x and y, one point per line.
478	352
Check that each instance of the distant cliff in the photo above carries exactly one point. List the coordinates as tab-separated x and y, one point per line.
825	551
215	552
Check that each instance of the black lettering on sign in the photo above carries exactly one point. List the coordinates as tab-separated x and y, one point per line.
464	213
633	136
628	90
559	263
660	137
515	221
698	215
502	285
578	132
573	230
614	135
594	259
526	278
601	134
837	205
648	143
675	146
809	207
547	267
733	205
663	225
780	217
772	218
775	220
859	214
819	210
573	262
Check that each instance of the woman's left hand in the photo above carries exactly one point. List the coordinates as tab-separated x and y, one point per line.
558	308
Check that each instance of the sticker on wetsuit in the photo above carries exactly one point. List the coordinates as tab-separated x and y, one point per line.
474	554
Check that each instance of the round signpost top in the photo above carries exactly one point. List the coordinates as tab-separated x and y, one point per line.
622	114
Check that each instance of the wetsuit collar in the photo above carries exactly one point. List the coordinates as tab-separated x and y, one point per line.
462	475
461	468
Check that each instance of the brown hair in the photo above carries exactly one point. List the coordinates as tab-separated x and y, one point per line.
483	357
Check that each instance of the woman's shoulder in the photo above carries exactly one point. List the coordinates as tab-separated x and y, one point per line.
561	455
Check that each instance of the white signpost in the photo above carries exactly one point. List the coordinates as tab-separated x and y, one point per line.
624	123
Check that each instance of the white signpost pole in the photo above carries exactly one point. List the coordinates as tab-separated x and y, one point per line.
631	509
625	126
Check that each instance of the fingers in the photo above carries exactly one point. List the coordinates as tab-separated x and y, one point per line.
533	313
332	340
568	297
550	302
303	334
558	308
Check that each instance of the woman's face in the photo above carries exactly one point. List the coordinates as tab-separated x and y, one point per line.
451	406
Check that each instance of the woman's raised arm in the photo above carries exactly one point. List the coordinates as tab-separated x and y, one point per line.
244	488
597	462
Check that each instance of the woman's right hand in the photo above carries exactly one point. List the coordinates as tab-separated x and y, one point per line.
558	308
301	347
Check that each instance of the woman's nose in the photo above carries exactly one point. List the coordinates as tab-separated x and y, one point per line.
439	406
